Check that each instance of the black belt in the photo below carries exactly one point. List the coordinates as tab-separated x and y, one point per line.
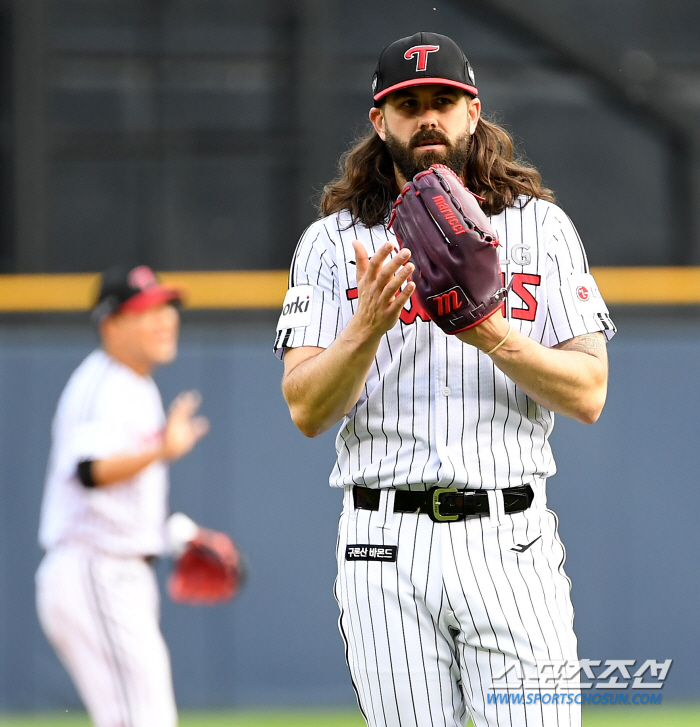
446	504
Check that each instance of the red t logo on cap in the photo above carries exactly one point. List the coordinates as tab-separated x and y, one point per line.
422	52
142	277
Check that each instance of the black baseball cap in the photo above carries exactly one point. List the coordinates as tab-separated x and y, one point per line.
421	59
131	289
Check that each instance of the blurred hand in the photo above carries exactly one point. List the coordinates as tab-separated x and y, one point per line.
183	429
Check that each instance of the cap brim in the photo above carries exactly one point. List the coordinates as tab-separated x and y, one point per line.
151	297
427	81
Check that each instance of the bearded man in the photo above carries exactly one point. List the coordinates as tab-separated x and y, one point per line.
435	608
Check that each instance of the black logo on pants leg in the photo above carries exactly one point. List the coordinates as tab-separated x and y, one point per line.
523	548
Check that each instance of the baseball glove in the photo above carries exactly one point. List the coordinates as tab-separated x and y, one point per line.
208	570
453	247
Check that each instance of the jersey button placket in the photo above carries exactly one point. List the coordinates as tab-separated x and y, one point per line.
442	406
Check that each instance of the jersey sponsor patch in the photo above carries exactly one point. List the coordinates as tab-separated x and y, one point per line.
586	296
372	552
296	309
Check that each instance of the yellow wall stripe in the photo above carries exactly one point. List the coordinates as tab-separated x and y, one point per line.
649	286
266	289
231	289
203	290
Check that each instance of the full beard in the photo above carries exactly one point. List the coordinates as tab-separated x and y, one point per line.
409	163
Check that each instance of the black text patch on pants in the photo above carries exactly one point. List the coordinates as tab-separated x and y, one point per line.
371	552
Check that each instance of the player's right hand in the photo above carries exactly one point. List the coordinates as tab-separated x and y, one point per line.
380	298
183	429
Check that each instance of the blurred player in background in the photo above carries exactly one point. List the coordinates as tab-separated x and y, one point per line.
105	506
449	562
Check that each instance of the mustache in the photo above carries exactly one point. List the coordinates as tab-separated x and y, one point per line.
429	135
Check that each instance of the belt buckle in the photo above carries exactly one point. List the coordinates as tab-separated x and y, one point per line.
435	515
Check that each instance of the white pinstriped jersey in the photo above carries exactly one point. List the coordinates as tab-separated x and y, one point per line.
105	410
435	411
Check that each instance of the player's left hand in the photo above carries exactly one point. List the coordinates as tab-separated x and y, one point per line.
183	429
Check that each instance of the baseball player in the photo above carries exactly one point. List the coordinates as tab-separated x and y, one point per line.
105	504
449	562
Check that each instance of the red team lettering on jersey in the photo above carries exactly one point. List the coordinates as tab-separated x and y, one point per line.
520	280
415	310
450	301
408	315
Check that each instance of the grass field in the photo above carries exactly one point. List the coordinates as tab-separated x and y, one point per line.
674	716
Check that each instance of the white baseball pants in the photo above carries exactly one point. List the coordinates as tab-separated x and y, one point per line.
100	613
426	634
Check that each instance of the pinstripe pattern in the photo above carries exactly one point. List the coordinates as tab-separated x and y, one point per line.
434	411
425	635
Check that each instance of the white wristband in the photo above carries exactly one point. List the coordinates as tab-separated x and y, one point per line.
500	343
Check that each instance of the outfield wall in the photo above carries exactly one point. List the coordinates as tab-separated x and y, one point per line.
627	495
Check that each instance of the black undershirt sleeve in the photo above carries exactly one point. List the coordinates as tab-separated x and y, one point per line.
85	473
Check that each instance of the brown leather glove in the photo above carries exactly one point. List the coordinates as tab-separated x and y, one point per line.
453	247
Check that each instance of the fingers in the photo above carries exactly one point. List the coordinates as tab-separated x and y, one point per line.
402	298
374	268
393	284
380	282
200	427
181	420
185	404
379	271
361	259
390	279
377	260
183	430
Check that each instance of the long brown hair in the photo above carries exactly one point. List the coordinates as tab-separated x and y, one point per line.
366	185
